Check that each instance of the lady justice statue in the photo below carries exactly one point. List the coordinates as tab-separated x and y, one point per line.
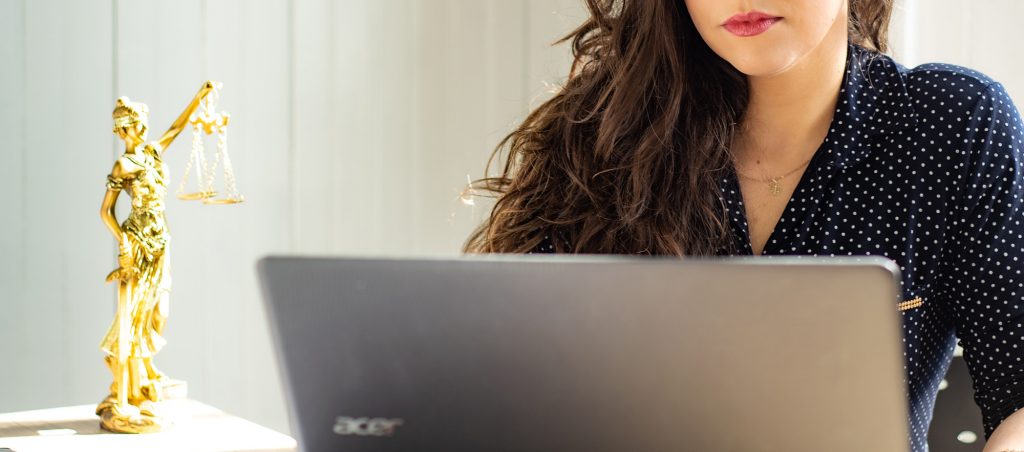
143	274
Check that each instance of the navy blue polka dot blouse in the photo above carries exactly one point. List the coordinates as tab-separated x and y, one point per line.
923	166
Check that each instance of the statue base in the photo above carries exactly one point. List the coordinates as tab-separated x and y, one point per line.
172	390
148	416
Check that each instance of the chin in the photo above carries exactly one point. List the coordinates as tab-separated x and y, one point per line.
763	64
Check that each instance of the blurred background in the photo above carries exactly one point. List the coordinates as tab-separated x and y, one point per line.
355	125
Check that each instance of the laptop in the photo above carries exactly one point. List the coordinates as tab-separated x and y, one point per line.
589	353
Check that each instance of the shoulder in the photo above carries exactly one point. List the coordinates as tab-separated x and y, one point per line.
946	75
972	112
153	148
945	89
961	101
130	164
978	114
124	167
124	170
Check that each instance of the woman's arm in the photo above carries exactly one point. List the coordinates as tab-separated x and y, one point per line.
1007	437
983	269
180	123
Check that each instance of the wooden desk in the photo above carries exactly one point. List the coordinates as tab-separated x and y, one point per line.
197	427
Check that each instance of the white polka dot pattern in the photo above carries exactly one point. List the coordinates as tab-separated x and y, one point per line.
923	166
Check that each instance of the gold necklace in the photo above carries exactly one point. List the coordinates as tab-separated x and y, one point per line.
774	183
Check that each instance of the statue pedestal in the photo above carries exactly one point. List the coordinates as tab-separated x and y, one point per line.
173	390
197	427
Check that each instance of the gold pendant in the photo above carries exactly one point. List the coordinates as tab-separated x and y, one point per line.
775	186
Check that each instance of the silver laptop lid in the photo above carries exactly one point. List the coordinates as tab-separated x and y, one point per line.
590	353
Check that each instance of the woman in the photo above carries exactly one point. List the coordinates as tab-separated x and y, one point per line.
732	127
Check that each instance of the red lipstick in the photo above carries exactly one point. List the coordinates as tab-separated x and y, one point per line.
750	24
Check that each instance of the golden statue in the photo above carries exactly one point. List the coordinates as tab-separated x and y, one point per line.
143	274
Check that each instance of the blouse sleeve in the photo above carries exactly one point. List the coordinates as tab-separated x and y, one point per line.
984	271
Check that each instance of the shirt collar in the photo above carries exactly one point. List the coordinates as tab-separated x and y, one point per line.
873	102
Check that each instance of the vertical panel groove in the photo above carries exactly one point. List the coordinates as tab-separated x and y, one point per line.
525	67
23	181
115	61
292	191
331	241
204	35
417	132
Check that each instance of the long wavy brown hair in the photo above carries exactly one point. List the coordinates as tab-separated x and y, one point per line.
625	158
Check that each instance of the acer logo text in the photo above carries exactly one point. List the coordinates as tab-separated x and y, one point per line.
364	426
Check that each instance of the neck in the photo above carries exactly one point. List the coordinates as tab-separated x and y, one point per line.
130	145
789	113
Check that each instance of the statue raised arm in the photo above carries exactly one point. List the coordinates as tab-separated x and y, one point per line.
182	120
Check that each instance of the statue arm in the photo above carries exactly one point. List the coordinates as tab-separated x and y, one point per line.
115	181
110	201
180	123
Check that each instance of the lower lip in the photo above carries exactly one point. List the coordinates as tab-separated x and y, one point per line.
747	29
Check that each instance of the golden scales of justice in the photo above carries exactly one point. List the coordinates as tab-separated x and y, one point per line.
143	274
208	121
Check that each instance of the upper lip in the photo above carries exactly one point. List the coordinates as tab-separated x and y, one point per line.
752	16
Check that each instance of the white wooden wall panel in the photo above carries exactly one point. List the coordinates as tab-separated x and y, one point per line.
393	149
901	30
312	167
84	86
13	252
547	66
359	61
470	100
45	202
227	243
61	68
262	157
